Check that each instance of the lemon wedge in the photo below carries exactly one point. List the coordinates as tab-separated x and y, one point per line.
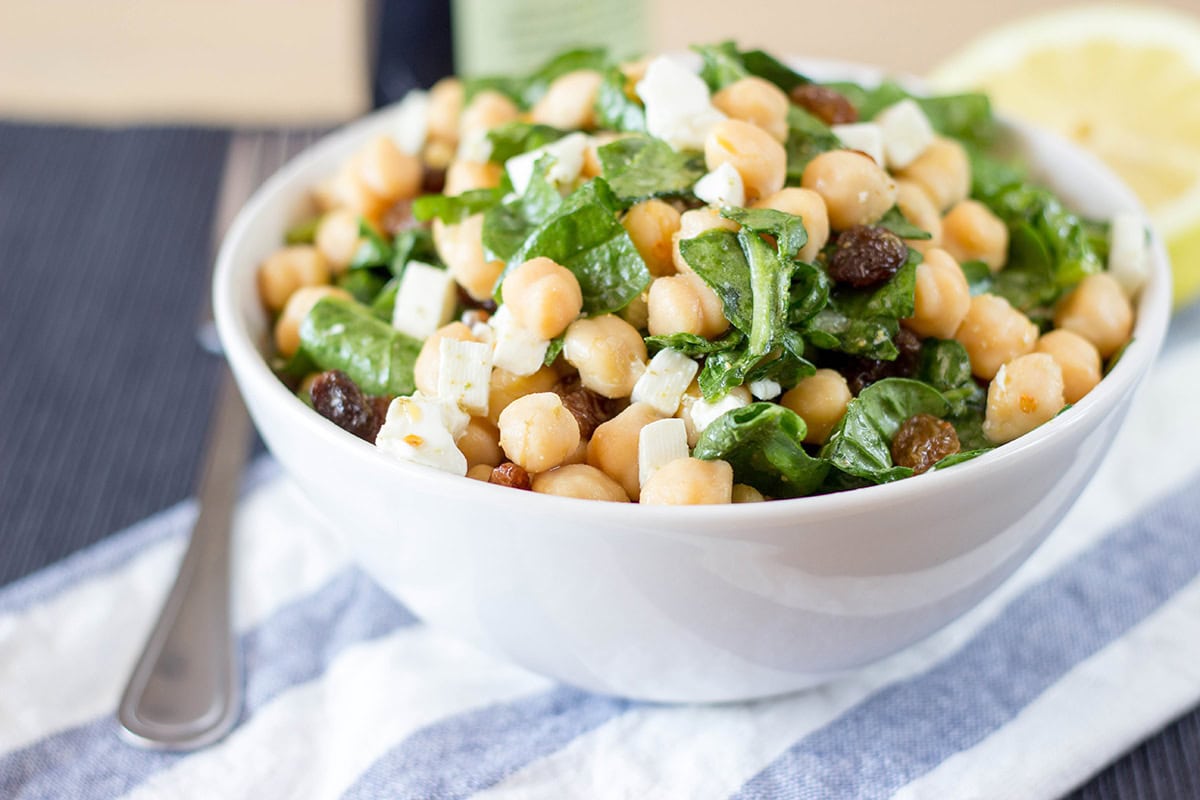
1123	82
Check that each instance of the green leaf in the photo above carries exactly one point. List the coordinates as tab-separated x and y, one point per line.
527	89
967	415
508	225
895	298
770	279
896	222
787	369
364	285
716	256
807	138
452	209
514	138
809	293
763	444
640	167
962	116
614	109
724	370
944	364
413	244
384	304
961	456
861	443
556	346
766	66
693	346
979	276
303	232
373	250
725	64
788	229
870	337
340	334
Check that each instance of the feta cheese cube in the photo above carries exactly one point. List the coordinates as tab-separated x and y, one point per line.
474	146
703	413
665	380
765	389
414	431
679	109
518	350
906	132
464	374
1128	258
425	300
568	153
864	136
722	187
410	122
660	443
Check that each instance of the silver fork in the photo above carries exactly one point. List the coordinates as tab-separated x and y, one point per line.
185	690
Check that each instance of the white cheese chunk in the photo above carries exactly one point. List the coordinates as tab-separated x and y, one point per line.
518	350
864	136
679	109
704	413
666	378
660	443
765	389
906	132
425	300
410	122
475	146
568	154
414	431
722	187
1128	258
464	374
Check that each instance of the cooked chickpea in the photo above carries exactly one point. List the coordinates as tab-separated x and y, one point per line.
807	205
692	224
758	102
614	446
487	110
579	456
637	312
348	190
463	176
993	333
918	209
337	238
504	387
820	400
652	225
746	494
581	481
943	171
1098	310
460	247
428	363
480	443
288	269
856	190
480	472
568	102
689	482
438	153
609	353
971	232
445	106
758	158
389	172
537	432
287	327
543	296
685	304
1026	392
1077	358
941	298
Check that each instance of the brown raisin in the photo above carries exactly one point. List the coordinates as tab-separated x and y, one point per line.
338	399
434	180
866	255
589	408
862	372
511	475
922	441
399	217
827	105
379	407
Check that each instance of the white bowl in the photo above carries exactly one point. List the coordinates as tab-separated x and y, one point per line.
695	604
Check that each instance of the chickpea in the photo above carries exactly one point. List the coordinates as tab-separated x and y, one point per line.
609	353
287	327
428	363
288	269
537	432
820	400
460	246
941	298
856	190
943	171
487	110
994	333
567	103
505	387
758	102
579	456
746	494
581	481
689	482
480	472
692	224
480	443
1077	358
810	208
337	238
1098	310
445	106
652	225
637	313
685	304
348	190
1026	392
971	232
614	446
438	153
543	297
758	158
918	209
389	172
463	176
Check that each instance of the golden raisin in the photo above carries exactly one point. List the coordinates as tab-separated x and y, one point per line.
827	105
922	441
511	475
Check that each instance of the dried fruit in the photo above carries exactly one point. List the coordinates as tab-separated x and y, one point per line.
511	475
338	399
399	217
827	105
589	408
862	372
922	441
866	255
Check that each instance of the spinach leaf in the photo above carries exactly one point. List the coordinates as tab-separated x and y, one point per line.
373	250
413	244
861	443
967	414
944	364
724	370
526	90
770	280
717	257
979	276
807	138
693	346
615	110
870	337
896	222
809	293
584	235
1028	280
962	116
514	138
788	229
384	304
960	457
895	298
766	66
640	167
787	369
724	64
364	285
555	347
455	208
763	444
303	232
339	334
508	225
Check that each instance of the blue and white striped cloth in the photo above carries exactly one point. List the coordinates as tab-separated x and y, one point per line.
1093	645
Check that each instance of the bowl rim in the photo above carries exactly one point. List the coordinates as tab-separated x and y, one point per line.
254	375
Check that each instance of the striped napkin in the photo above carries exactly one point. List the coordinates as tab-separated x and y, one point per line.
1093	645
